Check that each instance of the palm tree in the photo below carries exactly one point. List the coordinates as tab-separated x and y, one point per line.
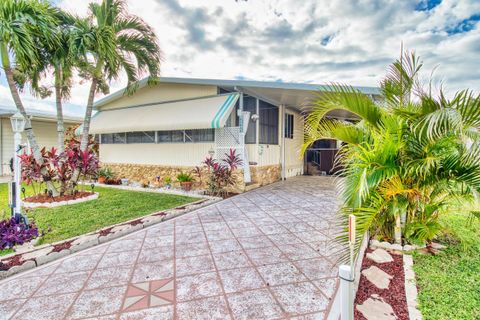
61	62
24	24
408	159
112	41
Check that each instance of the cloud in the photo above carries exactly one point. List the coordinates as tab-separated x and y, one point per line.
309	41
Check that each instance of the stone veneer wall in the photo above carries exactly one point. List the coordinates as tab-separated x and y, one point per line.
146	173
264	175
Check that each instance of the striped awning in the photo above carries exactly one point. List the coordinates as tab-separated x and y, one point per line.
199	113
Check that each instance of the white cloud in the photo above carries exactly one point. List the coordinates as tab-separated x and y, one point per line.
304	41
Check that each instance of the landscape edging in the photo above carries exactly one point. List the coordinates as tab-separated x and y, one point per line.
411	288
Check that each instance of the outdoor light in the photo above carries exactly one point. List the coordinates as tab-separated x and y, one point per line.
211	152
18	122
18	125
92	186
255	117
23	191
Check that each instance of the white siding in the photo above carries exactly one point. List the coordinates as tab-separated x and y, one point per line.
170	154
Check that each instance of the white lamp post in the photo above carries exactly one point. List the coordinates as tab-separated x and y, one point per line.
18	125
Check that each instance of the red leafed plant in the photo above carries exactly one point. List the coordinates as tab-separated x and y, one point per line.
221	174
60	166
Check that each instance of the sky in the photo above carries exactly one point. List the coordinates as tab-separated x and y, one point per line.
307	41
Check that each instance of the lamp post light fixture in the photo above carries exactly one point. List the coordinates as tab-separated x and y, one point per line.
18	125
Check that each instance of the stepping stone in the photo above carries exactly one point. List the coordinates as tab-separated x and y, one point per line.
378	277
375	308
380	256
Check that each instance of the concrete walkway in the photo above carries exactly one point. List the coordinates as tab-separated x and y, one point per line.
265	254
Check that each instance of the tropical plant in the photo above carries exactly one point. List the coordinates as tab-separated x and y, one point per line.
221	174
409	158
13	233
185	177
26	28
59	60
59	167
105	173
112	40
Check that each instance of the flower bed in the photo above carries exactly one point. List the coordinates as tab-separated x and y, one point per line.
47	201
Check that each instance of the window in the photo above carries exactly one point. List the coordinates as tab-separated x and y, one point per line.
107	138
113	138
200	135
268	123
196	135
141	137
289	126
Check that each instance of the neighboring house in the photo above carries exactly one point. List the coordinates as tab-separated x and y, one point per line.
171	127
45	128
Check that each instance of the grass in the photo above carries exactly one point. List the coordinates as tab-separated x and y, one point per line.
112	206
449	283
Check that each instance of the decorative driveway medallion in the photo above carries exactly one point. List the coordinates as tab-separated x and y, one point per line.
149	294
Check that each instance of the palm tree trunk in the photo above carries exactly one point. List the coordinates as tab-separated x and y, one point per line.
58	101
60	125
398	229
28	124
86	129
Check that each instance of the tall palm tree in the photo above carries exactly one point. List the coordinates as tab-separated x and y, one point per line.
60	61
24	24
408	159
111	41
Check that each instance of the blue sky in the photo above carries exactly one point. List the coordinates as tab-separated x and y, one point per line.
309	41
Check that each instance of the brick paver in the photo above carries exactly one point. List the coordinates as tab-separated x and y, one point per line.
266	254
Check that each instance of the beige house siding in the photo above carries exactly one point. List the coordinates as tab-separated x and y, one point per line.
45	131
161	154
161	93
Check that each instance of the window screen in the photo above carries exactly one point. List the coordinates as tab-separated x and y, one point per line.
289	126
268	123
199	135
141	137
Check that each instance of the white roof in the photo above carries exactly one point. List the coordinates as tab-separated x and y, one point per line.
39	115
199	113
287	93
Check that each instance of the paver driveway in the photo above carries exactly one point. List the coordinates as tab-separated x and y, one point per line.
261	255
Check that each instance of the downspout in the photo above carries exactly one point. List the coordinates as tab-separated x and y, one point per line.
282	139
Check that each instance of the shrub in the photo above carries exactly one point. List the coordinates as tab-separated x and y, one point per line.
185	177
410	158
13	233
105	173
60	166
220	174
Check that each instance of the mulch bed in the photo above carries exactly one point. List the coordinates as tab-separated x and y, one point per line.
393	295
61	246
16	260
45	198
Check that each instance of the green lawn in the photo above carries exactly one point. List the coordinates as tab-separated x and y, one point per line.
113	206
449	283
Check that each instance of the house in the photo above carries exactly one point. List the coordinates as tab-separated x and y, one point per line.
172	126
44	125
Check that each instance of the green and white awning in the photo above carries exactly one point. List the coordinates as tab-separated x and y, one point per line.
199	113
